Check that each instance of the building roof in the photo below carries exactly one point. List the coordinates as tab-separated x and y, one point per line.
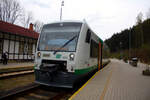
18	30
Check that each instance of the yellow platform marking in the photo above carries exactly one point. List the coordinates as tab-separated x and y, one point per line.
82	87
106	86
85	84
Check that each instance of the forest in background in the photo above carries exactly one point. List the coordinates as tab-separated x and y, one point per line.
132	42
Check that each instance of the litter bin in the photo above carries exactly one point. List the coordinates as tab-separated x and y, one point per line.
134	62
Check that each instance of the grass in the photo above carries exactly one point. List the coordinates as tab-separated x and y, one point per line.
10	83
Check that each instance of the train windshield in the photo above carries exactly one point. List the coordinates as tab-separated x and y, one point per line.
54	36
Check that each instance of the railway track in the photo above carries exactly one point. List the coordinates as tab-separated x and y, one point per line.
37	92
34	92
12	92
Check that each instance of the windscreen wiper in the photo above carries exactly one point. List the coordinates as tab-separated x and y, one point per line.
65	44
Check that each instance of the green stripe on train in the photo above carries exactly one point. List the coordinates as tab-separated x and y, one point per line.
85	70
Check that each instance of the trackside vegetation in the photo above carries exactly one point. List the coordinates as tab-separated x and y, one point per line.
132	42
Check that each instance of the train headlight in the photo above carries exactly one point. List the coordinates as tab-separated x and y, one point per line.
38	54
71	56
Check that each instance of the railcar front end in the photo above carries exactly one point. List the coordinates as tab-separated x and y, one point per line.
66	52
56	54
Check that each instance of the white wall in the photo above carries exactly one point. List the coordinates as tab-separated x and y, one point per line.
25	56
11	49
20	56
29	56
11	56
16	57
5	47
33	51
17	47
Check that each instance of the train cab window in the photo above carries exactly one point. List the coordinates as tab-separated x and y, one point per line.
88	36
93	49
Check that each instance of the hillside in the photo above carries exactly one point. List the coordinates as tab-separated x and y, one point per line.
137	38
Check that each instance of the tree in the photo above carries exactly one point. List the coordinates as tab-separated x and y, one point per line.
140	29
139	18
10	10
38	26
26	19
148	14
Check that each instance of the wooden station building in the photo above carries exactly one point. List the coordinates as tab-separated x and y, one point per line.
18	42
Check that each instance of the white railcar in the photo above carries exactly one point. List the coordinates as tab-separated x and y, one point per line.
66	52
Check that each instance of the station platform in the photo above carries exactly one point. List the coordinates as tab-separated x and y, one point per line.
16	65
117	81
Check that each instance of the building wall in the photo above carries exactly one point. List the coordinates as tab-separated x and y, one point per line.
16	50
11	48
11	44
5	46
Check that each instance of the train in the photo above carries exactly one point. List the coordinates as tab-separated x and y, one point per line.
67	51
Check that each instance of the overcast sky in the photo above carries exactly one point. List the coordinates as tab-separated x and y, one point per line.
105	17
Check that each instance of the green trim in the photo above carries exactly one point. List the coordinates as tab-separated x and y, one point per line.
85	70
58	55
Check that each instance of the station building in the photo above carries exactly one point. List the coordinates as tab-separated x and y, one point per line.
18	42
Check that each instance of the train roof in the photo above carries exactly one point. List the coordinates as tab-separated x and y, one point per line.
74	21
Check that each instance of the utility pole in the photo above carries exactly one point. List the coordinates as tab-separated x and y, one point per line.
130	44
120	50
62	4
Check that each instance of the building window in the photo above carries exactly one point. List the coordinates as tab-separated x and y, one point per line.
21	47
25	48
94	49
30	48
6	36
12	37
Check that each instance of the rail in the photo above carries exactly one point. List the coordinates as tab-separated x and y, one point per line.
10	74
12	92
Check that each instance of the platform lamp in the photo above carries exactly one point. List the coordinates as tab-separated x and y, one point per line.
62	4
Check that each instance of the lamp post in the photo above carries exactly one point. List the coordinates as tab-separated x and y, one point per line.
62	4
130	44
120	50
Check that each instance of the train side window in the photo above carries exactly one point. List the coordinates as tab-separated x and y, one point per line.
93	49
88	36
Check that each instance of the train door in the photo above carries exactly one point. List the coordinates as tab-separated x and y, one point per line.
100	56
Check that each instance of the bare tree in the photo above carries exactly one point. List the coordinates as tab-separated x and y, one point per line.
10	10
38	26
26	19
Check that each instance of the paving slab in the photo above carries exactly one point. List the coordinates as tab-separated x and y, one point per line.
117	81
